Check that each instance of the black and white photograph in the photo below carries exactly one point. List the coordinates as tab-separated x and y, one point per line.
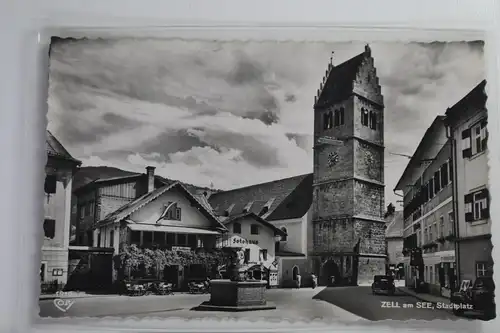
192	179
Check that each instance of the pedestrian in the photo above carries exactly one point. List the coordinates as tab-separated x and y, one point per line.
332	280
299	278
314	280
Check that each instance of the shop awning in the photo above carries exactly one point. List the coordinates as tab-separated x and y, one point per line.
170	229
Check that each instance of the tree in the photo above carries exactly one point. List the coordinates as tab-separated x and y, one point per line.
390	210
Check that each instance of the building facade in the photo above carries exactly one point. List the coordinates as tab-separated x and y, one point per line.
394	241
467	121
256	237
284	203
169	217
59	171
103	196
348	186
428	211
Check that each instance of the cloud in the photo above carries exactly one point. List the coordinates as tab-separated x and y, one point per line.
236	113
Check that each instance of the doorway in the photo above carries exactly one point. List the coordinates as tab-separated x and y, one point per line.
330	274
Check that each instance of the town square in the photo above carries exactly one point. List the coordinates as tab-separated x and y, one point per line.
219	180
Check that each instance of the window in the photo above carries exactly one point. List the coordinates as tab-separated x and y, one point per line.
264	255
49	228
441	226
476	206
192	240
181	239
170	239
284	238
112	238
82	212
437	182
327	120
481	269
50	184
147	237
342	116
99	239
431	238
135	237
431	274
254	229
425	235
364	117
236	228
91	208
426	274
431	188
474	139
444	175
451	221
419	236
373	120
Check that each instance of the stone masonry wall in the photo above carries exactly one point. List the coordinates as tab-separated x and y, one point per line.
341	169
333	199
334	235
372	235
369	199
368	161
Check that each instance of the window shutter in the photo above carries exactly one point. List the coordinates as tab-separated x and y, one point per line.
485	212
50	184
342	116
484	132
469	215
437	184
444	175
450	164
466	148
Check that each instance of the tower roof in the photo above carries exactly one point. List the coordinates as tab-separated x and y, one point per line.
338	81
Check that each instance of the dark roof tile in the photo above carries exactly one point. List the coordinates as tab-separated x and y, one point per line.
55	149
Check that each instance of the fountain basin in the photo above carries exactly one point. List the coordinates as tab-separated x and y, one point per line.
227	295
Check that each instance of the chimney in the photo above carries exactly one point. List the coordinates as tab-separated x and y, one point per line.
150	172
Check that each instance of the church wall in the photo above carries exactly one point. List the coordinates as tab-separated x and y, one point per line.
368	199
372	235
368	161
341	169
332	199
334	235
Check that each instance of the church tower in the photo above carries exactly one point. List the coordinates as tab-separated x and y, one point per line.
348	187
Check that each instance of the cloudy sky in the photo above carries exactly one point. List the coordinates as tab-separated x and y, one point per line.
232	113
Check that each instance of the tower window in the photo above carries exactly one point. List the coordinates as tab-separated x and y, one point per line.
339	117
364	117
373	120
327	120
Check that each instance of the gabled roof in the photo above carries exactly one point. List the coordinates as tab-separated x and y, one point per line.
438	121
129	208
339	80
277	231
394	225
295	193
475	96
55	149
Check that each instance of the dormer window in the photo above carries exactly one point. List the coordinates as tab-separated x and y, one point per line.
227	212
254	229
236	228
171	212
247	207
267	206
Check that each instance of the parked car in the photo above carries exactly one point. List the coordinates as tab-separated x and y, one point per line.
383	284
480	297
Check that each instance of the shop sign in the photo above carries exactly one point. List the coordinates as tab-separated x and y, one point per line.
245	241
448	259
181	248
273	279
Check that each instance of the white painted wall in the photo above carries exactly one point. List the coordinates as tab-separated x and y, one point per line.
299	233
190	215
472	174
265	240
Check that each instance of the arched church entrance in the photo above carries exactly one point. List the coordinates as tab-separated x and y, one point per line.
330	275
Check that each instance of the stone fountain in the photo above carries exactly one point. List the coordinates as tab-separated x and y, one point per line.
237	293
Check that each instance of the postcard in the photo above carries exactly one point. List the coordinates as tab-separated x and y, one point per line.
262	179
